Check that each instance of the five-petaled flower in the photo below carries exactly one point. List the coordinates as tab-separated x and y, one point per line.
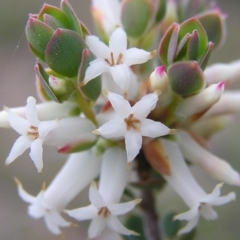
115	59
33	133
132	123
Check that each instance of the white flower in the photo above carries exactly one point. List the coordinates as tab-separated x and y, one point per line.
33	133
104	207
182	181
75	175
132	123
115	59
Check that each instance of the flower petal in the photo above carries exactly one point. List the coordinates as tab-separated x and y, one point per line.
150	128
25	196
122	76
84	213
45	127
96	227
136	56
114	223
123	208
118	42
133	142
51	225
98	48
59	220
96	68
190	225
113	129
35	211
95	197
142	108
190	214
207	212
120	105
19	124
18	148
31	112
36	153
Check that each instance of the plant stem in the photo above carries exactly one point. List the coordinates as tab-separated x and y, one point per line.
151	217
85	107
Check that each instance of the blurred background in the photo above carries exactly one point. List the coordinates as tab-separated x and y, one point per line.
18	82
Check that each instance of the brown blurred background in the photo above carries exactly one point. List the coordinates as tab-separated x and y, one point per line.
17	83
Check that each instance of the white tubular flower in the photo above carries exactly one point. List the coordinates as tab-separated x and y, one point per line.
213	165
76	174
33	133
198	104
115	59
45	111
104	207
219	72
108	12
228	104
132	123
182	181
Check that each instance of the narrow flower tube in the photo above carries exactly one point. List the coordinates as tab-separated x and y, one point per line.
182	181
228	104
209	126
104	207
45	111
213	165
79	170
222	72
198	104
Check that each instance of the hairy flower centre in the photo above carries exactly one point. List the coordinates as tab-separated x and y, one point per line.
132	122
112	61
33	133
104	212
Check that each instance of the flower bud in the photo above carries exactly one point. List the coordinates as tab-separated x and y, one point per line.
159	79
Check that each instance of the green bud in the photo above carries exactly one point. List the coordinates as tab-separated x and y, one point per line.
186	78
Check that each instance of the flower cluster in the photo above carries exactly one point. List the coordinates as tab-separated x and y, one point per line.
127	114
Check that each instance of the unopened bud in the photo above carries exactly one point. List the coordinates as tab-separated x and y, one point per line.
159	79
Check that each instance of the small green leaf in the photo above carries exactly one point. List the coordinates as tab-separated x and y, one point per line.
64	52
56	13
206	56
38	35
164	44
186	78
93	88
214	25
52	22
67	9
170	226
43	77
193	46
191	25
161	11
135	17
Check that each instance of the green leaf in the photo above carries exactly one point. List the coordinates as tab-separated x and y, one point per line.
93	88
170	226
164	44
43	77
38	35
186	78
214	25
160	11
56	13
64	52
135	17
193	46
67	9
206	56
52	22
134	222
188	27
